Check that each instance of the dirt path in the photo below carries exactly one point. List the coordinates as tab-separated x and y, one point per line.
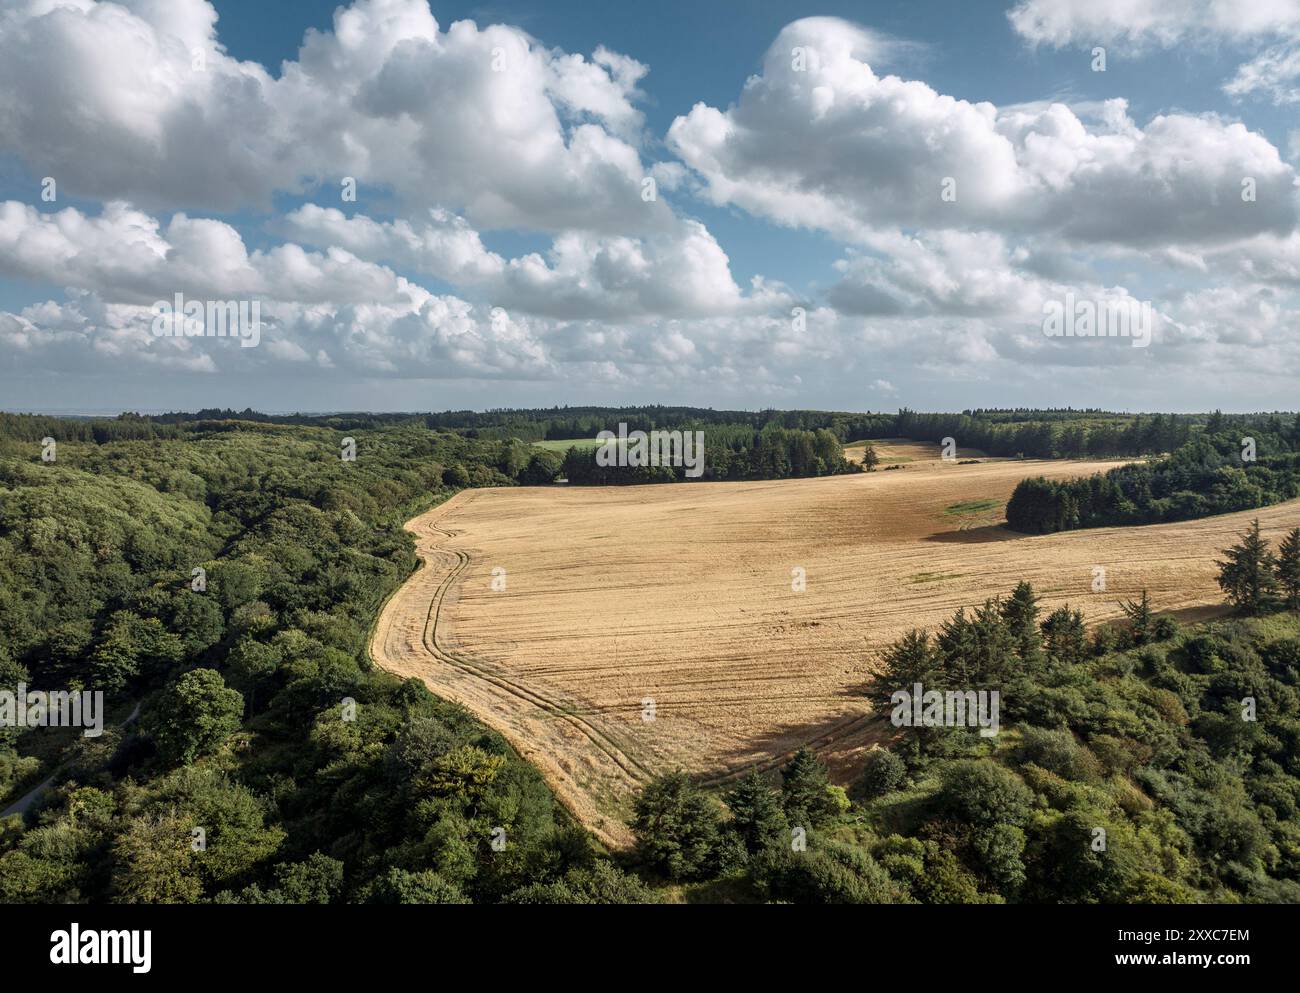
24	803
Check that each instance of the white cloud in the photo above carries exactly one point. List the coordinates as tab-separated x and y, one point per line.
1137	25
129	257
838	148
441	244
1274	73
676	273
1162	23
105	98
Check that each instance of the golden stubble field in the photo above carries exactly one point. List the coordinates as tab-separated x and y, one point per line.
639	629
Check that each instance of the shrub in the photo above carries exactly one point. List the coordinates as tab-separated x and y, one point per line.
883	772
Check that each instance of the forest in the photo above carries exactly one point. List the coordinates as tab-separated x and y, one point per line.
1224	467
269	761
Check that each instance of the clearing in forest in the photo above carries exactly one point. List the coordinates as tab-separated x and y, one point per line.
611	633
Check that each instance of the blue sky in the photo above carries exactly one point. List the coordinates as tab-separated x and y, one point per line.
799	194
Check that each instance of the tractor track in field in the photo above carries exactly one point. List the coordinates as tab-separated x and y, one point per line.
635	769
834	736
453	564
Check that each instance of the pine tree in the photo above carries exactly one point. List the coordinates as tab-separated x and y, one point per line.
756	814
993	645
956	644
1139	612
676	826
1288	568
805	790
1020	613
1246	575
1064	638
869	458
908	661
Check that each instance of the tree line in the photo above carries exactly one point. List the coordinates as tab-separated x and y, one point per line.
732	453
1208	475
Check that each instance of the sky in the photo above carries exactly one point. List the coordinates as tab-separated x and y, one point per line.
727	203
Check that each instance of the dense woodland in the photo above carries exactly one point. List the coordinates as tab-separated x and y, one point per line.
243	686
314	778
1212	473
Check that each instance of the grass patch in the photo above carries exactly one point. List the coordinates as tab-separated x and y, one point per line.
562	445
973	507
933	577
728	889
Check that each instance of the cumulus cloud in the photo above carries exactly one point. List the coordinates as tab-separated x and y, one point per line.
1151	22
129	257
516	134
421	337
440	244
1136	25
831	145
954	273
681	272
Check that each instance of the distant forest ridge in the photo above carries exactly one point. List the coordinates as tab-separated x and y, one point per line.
1028	432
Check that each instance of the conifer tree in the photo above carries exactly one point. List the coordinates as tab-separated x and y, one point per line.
1064	638
1288	568
756	814
908	661
1139	612
805	790
1020	613
1246	574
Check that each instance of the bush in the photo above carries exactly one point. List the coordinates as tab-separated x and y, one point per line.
983	794
883	772
543	468
829	872
1058	752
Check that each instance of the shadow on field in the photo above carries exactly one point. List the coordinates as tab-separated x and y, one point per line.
840	741
977	536
1195	615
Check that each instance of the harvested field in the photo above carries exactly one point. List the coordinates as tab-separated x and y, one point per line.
902	451
682	595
